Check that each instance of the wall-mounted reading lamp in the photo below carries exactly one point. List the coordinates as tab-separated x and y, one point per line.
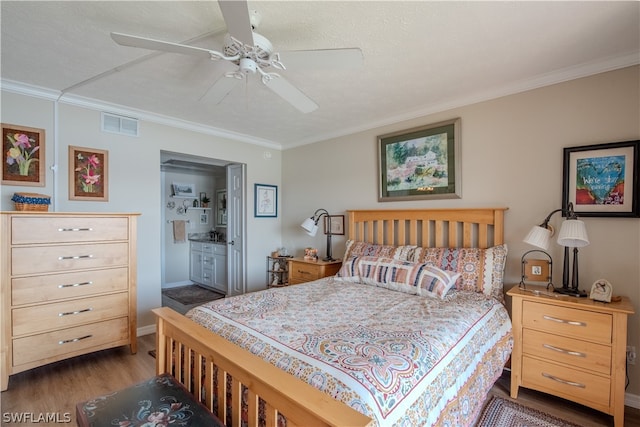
310	225
573	233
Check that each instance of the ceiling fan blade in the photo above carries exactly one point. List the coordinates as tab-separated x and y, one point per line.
220	89
146	43
323	58
291	94
236	16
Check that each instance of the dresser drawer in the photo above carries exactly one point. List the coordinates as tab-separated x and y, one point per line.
40	318
35	289
44	259
570	322
559	380
590	356
305	272
52	345
67	229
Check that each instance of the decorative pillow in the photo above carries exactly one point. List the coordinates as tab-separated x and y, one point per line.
356	248
349	271
435	282
405	276
481	270
495	259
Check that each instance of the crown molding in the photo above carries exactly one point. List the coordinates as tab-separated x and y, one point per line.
93	104
548	79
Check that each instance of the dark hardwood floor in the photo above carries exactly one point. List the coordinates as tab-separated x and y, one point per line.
58	387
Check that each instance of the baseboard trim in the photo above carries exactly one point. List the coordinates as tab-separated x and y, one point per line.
146	330
632	400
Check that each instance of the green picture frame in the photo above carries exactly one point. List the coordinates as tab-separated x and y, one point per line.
420	163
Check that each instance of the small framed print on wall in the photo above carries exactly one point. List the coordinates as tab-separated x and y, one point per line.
337	224
602	180
88	174
266	200
24	150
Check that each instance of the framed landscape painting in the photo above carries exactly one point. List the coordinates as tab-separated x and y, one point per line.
24	150
88	174
602	179
420	163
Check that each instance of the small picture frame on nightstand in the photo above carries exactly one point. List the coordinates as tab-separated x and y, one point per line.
535	269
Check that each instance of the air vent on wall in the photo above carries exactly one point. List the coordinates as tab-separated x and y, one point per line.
119	124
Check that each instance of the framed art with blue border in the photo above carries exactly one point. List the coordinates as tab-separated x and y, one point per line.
265	201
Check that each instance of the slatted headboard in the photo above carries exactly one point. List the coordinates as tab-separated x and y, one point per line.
467	228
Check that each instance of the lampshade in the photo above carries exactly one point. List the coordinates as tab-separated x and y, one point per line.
310	226
539	237
573	234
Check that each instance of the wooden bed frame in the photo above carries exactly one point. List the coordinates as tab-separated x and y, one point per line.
191	352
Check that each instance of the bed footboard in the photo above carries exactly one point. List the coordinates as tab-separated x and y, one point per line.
191	354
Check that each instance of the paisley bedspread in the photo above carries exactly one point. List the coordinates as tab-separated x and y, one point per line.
398	358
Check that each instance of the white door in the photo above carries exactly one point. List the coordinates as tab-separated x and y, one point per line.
236	256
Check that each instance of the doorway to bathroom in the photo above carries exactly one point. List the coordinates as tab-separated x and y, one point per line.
203	208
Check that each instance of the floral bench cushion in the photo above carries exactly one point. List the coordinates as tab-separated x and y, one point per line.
160	400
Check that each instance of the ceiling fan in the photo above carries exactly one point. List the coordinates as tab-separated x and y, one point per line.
246	52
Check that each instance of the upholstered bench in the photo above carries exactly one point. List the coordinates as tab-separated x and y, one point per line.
160	400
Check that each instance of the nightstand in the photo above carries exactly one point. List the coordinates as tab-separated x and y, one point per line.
302	270
574	348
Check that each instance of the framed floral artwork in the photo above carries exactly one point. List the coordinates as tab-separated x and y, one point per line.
24	151
602	180
88	174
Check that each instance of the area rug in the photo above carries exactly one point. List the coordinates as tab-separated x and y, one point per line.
191	294
501	412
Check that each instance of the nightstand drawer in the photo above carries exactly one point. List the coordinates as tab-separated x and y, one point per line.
570	322
562	381
305	272
590	356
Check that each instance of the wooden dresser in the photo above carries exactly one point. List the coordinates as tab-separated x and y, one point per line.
68	286
301	270
574	348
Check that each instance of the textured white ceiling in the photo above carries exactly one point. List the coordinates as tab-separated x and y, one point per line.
419	57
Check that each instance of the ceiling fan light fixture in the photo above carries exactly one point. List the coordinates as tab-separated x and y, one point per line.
248	65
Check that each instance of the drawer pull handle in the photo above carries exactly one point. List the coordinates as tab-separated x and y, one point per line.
560	380
75	229
303	272
74	339
562	350
568	322
70	313
73	285
61	258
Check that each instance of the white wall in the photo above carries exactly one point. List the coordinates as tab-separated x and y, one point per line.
135	181
511	156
